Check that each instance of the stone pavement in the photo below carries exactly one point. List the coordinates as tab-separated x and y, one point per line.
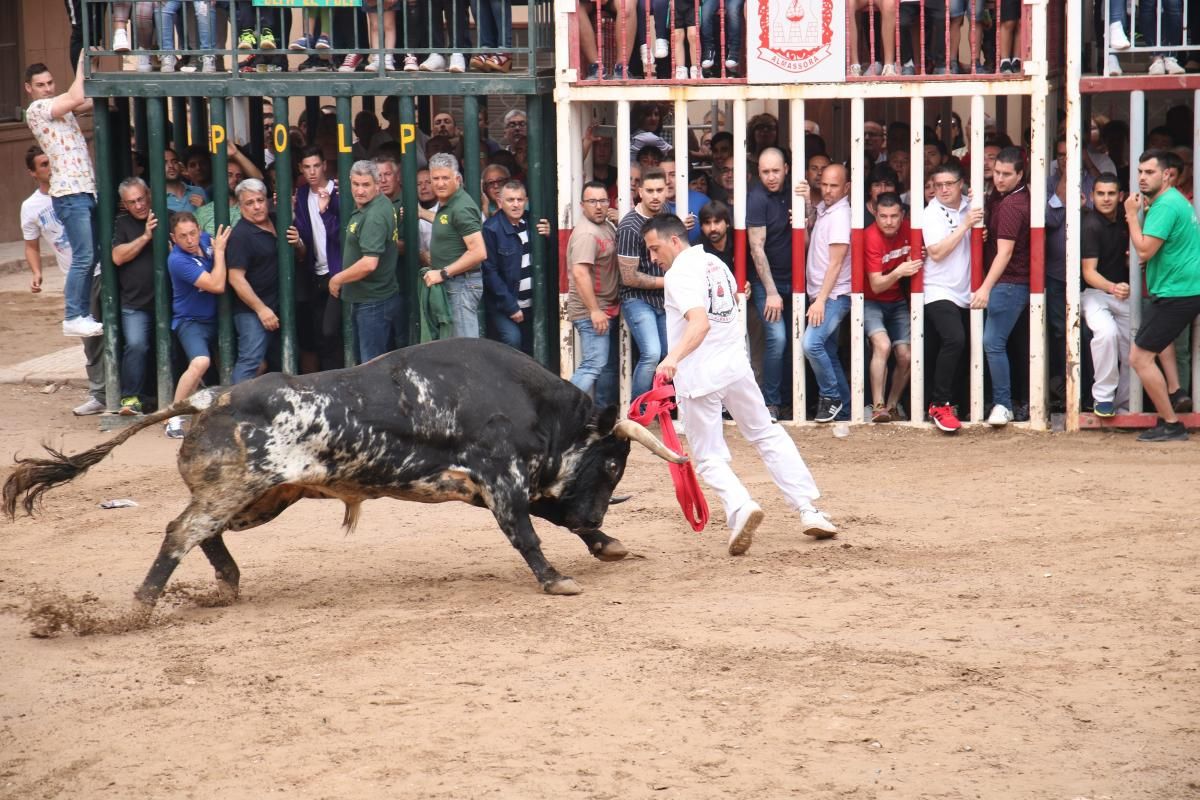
65	367
65	364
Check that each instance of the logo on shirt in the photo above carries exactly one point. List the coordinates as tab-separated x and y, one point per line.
444	219
722	302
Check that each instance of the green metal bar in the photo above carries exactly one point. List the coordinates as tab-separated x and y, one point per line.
105	211
283	221
220	154
198	117
140	126
346	208
470	171
179	128
549	191
412	236
537	245
156	131
122	137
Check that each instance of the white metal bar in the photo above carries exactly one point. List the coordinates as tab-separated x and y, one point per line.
566	125
799	298
1036	182
858	179
682	148
1075	144
621	148
916	202
739	196
1137	143
977	195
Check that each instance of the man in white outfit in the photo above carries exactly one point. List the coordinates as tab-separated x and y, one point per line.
708	362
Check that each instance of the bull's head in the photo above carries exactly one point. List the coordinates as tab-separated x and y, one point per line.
592	474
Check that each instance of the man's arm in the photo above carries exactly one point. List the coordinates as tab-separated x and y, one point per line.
1004	251
355	272
213	281
476	254
880	283
634	279
816	311
73	99
33	255
757	236
122	254
249	168
938	251
693	336
582	273
1093	278
1146	246
245	292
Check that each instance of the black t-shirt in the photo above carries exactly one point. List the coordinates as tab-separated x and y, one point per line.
725	255
136	277
773	211
1108	242
253	249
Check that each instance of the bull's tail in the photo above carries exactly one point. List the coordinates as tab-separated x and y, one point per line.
33	477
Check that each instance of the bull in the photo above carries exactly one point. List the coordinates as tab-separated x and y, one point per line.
465	419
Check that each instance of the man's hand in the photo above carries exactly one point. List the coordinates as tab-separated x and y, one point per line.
323	198
543	227
668	367
432	277
599	322
1120	291
1134	203
335	286
518	317
979	297
424	258
974	216
613	215
268	319
690	222
802	189
151	224
293	236
815	314
222	238
35	283
196	200
908	268
773	308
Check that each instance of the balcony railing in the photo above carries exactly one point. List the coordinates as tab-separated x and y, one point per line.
419	37
666	41
1153	41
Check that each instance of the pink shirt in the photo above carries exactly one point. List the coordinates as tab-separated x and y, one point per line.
832	227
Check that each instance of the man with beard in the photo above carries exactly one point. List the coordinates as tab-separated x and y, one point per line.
181	195
641	281
715	222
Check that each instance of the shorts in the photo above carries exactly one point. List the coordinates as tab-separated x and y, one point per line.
197	338
1010	10
1168	317
685	14
891	318
958	8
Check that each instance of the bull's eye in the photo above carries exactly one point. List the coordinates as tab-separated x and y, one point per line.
613	467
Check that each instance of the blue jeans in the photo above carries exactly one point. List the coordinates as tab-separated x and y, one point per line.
205	22
374	324
1005	304
1150	12
252	343
464	293
517	335
599	365
777	338
136	327
76	212
821	350
710	20
495	23
648	327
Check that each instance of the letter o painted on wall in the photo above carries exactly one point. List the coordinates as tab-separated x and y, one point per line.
281	137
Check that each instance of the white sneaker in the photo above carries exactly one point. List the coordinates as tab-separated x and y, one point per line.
189	66
999	417
889	70
745	522
694	73
457	63
1113	68
681	73
1117	39
662	48
815	524
82	326
389	63
1172	66
435	63
120	40
208	64
410	63
645	53
372	63
166	64
90	407
1157	67
144	65
175	428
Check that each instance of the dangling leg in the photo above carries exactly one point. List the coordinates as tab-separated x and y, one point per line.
228	575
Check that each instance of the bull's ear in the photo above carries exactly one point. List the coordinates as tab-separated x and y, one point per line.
602	421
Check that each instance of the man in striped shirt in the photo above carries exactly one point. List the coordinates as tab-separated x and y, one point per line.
507	273
642	281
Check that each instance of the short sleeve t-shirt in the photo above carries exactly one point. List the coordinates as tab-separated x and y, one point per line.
832	227
253	250
39	222
372	232
64	144
596	246
700	280
135	277
630	244
1008	218
1174	271
882	254
457	219
772	210
1107	241
188	302
950	278
176	204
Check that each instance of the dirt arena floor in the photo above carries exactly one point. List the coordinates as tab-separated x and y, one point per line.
1005	615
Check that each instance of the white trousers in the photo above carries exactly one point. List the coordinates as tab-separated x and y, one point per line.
1109	320
710	455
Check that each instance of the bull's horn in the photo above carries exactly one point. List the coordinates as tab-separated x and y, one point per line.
628	429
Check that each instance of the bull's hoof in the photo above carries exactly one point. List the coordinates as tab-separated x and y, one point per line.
612	550
562	586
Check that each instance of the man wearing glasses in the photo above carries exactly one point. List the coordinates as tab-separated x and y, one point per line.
593	297
516	130
946	223
133	256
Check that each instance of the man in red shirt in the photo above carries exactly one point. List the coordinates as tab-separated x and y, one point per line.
886	316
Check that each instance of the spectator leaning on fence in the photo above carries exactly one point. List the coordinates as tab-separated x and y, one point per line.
318	209
456	247
593	298
508	271
885	313
72	185
1103	249
133	256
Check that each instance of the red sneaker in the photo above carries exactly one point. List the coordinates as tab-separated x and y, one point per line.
943	417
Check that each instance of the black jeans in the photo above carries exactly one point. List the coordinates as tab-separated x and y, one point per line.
95	26
949	322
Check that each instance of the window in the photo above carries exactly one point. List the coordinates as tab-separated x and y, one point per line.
10	65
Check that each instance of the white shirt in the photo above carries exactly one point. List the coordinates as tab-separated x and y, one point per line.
321	255
425	229
699	280
63	143
950	278
832	227
38	221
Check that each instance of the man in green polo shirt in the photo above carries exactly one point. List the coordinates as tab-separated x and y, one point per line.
457	249
1168	242
369	277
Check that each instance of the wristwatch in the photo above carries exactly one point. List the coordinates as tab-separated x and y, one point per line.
445	275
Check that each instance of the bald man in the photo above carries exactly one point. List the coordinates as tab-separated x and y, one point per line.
828	288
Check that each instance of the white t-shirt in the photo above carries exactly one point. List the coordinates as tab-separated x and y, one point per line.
950	278
832	227
38	221
321	256
425	229
699	280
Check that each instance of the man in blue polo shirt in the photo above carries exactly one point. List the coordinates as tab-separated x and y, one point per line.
196	265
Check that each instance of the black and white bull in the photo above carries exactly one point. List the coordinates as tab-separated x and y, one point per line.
463	419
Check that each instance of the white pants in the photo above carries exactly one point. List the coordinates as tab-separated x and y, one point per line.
1108	318
706	438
